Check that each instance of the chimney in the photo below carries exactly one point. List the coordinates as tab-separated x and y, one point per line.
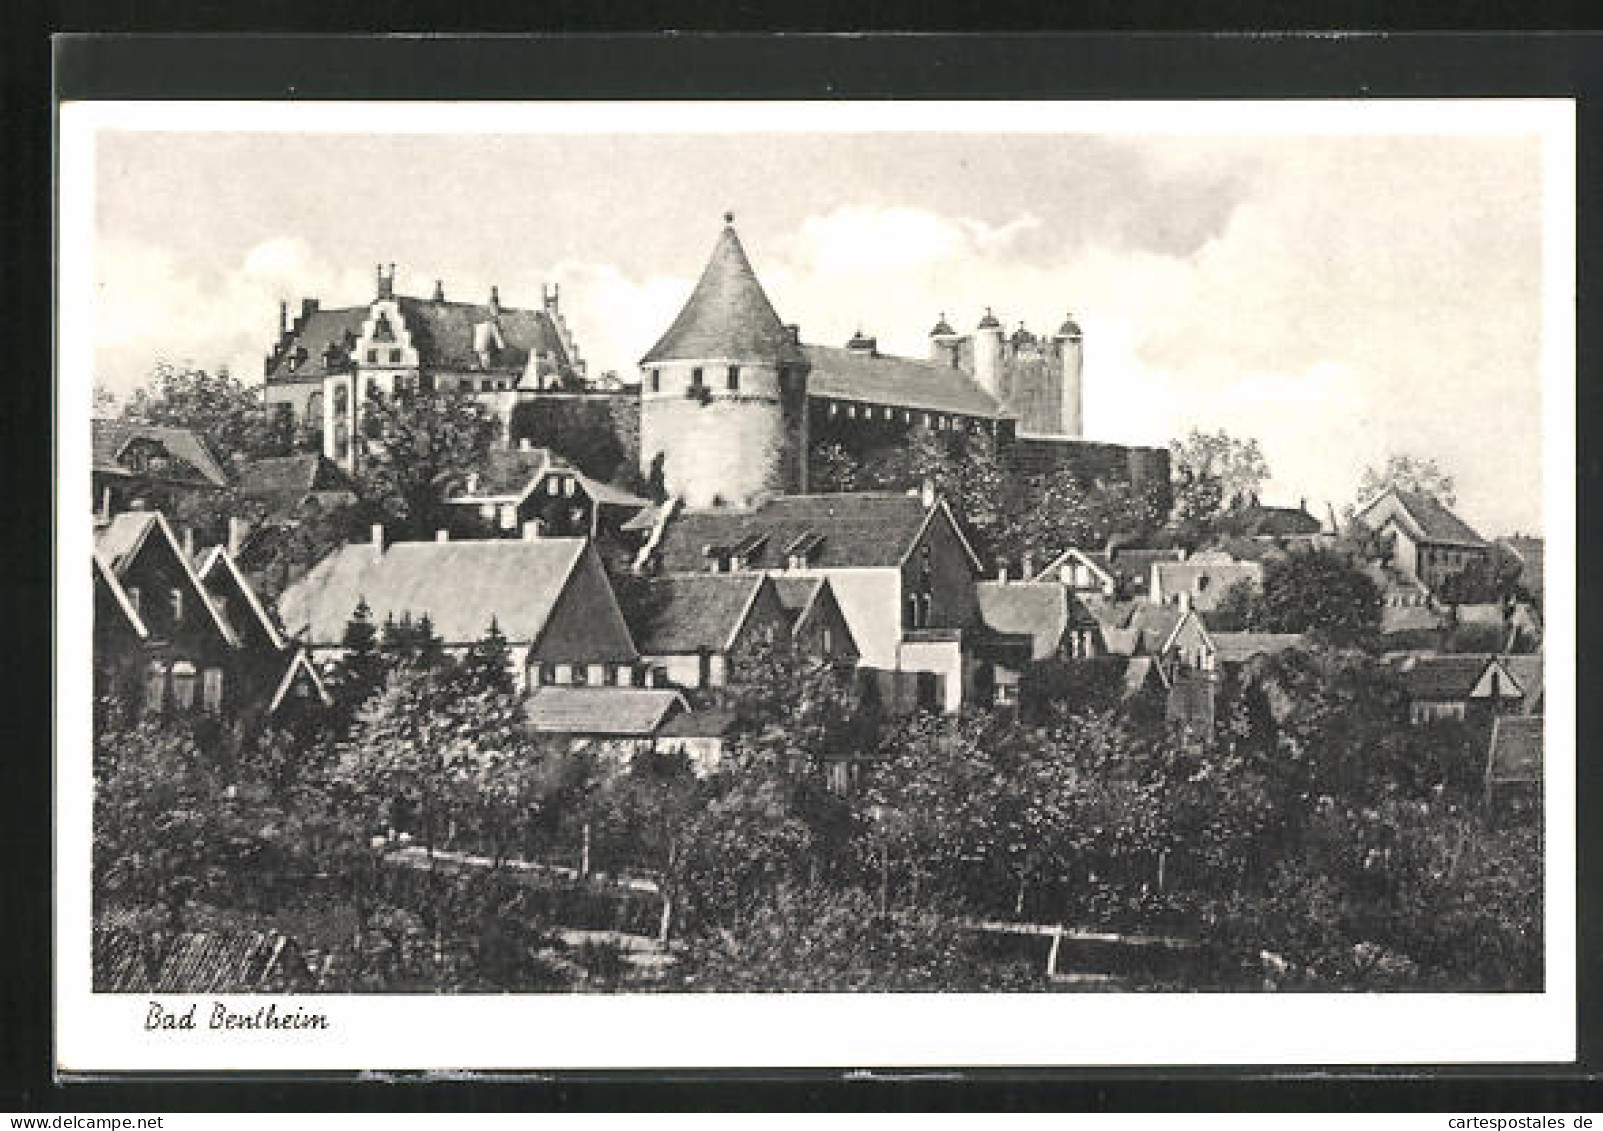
283	316
794	330
1028	570
378	538
1001	572
926	493
495	299
524	445
308	308
442	535
548	299
531	529
236	535
439	290
386	283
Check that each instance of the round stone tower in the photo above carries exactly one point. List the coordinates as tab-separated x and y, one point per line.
1071	358
988	355
723	394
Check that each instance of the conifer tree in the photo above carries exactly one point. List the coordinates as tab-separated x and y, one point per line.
488	664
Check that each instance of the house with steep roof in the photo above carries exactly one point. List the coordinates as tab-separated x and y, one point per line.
1429	542
1118	571
1528	550
1468	687
514	487
1200	581
174	636
153	466
1275	524
285	485
550	598
700	625
1192	647
817	625
899	566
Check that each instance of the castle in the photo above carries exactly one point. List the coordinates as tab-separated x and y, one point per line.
731	404
732	399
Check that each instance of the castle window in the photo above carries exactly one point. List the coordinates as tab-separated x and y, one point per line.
372	357
695	378
486	385
732	381
395	357
654	379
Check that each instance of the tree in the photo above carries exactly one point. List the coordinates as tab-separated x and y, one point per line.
230	415
1316	591
1211	472
360	670
831	467
966	470
418	444
1060	511
1414	474
488	663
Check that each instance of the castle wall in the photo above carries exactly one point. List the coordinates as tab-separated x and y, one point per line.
723	447
600	432
1145	469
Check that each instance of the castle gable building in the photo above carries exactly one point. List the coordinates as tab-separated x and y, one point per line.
325	362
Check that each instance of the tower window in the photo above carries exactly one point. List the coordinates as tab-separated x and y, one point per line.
733	381
654	378
372	357
695	378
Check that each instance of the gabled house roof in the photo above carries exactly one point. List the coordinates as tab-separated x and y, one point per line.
462	586
728	316
1039	610
442	334
216	562
512	474
1515	751
699	612
1129	565
1446	678
120	541
109	578
1258	521
1239	647
283	481
903	382
1527	670
300	665
109	437
611	712
856	531
1429	519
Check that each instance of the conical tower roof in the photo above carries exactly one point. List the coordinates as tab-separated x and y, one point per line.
727	315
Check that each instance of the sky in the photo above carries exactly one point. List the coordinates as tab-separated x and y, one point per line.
1338	297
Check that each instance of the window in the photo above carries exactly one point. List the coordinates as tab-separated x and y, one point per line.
486	385
552	487
509	516
569	486
395	357
732	382
211	689
695	378
155	686
581	676
654	380
178	605
184	685
372	357
133	597
828	638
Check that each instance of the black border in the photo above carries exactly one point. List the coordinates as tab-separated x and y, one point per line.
1153	65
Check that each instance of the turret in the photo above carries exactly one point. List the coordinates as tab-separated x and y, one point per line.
988	354
723	395
386	282
944	342
1071	360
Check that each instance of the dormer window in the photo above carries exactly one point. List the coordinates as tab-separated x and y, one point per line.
803	549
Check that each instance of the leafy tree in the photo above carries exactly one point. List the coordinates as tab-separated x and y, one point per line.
1316	591
416	445
1415	474
1209	473
226	412
965	469
1060	511
831	467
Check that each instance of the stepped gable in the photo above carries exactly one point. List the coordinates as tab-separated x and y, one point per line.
728	316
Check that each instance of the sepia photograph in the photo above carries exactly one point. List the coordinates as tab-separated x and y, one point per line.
585	561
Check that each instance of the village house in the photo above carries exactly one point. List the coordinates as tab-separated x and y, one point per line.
617	722
173	638
514	487
1527	550
1429	542
1467	687
550	598
285	486
1280	525
1201	580
898	565
154	466
1119	571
